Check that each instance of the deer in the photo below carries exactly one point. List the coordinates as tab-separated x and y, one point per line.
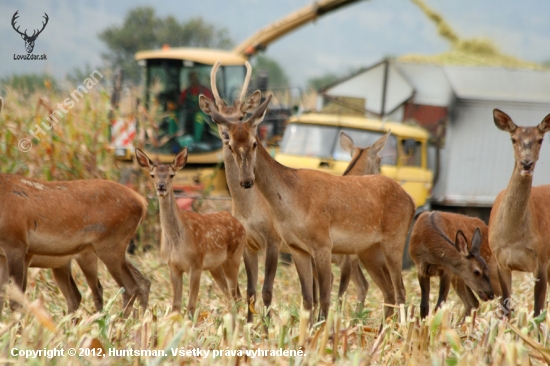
29	40
316	222
193	242
248	206
519	224
469	267
64	218
364	161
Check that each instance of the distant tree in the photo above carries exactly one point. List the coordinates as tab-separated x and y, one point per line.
142	29
546	63
277	76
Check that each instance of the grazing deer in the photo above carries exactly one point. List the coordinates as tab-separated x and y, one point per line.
519	225
191	242
317	213
469	268
248	206
65	218
364	161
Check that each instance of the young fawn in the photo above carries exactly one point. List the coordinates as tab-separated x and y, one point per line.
456	263
191	242
519	226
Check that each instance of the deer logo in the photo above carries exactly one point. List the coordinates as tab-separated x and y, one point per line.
29	40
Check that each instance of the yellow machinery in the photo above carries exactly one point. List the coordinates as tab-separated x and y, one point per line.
172	121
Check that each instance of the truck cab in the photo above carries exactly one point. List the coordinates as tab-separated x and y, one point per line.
311	141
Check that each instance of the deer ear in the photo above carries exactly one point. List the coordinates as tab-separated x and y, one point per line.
476	242
252	102
259	113
346	142
503	121
143	160
544	126
461	244
207	106
380	143
180	160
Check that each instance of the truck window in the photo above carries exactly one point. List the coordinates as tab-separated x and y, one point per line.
309	140
411	153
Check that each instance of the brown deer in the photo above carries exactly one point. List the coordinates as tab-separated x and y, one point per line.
469	268
191	242
519	225
65	218
364	161
317	213
248	206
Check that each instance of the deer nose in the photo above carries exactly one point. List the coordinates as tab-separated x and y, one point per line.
247	183
527	164
161	185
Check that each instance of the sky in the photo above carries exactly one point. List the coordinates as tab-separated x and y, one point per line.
356	36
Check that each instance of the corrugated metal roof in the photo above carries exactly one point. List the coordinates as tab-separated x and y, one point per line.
499	84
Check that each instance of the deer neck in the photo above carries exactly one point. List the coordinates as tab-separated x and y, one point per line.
274	180
170	222
515	203
244	200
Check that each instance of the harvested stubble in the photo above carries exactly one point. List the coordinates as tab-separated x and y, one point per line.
76	149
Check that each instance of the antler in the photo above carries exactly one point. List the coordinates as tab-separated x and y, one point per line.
219	101
15	16
246	81
43	26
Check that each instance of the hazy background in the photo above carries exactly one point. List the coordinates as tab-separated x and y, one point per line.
355	36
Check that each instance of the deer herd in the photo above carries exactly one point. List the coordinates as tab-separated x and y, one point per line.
360	217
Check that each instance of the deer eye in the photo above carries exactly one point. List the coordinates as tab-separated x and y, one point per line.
540	141
230	148
476	272
514	140
254	145
172	175
152	175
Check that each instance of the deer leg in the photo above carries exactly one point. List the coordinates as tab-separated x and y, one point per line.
359	280
67	286
251	267
302	261
231	270
540	289
194	285
177	287
271	260
124	273
87	261
315	286
219	278
505	279
324	275
425	295
394	260
15	256
345	276
444	286
3	280
375	264
466	296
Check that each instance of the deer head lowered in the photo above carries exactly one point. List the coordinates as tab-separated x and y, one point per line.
29	40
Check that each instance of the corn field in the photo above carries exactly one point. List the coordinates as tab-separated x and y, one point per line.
77	148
